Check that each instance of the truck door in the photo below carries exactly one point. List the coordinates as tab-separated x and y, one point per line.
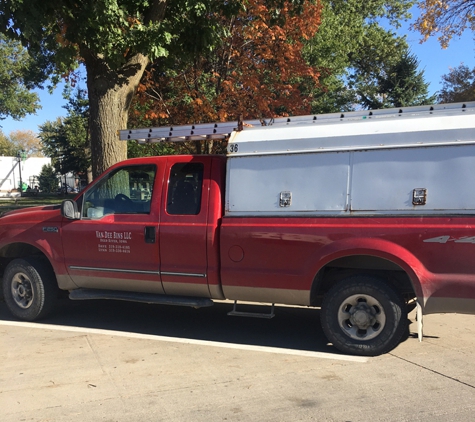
114	245
183	227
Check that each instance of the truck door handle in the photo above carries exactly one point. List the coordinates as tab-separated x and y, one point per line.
150	234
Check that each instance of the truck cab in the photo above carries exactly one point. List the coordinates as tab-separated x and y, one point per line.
148	225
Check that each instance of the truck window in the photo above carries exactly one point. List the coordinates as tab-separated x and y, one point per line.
184	189
126	190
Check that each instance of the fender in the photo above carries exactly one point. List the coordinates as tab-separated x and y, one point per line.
436	293
42	234
380	248
44	247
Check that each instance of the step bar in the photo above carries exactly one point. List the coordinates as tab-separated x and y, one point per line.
150	298
234	312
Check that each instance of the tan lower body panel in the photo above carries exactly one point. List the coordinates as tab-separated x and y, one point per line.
186	289
271	295
65	282
117	283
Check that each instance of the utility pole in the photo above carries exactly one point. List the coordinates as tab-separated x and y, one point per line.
18	158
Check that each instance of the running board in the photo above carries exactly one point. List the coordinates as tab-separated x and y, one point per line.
194	302
251	314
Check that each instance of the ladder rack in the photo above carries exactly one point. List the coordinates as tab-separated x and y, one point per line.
211	131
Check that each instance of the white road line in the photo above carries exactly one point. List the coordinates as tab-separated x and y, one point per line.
264	349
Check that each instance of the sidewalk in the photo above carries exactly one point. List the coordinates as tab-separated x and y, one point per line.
122	362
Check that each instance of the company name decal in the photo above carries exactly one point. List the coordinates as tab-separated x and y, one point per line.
113	242
114	235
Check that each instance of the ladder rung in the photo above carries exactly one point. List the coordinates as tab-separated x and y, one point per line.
222	130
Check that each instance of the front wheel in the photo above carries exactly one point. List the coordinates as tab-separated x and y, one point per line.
363	315
29	288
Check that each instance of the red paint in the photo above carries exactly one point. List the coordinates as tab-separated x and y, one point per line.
289	252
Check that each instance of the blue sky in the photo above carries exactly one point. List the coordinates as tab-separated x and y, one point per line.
433	60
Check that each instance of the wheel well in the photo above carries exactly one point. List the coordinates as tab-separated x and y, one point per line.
18	250
342	268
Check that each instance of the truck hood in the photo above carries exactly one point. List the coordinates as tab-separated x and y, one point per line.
31	211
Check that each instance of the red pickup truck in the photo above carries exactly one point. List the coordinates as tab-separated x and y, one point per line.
362	228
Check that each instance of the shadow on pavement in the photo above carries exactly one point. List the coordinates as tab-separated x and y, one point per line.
291	328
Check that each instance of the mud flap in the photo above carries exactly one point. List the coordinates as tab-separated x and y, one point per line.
419	321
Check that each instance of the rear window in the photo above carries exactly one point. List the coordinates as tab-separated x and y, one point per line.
185	188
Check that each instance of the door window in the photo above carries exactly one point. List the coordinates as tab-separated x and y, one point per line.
126	190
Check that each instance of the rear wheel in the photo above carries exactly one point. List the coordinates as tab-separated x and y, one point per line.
363	315
29	288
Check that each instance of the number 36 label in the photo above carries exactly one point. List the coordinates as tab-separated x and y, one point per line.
233	147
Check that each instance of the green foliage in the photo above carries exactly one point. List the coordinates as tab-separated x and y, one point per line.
149	150
59	32
7	147
458	85
358	59
48	182
398	84
66	140
15	98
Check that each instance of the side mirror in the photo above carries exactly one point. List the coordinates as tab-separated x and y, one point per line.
69	210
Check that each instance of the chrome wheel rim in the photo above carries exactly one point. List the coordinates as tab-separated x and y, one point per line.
361	317
22	290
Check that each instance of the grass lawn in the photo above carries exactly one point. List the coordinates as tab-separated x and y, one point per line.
8	204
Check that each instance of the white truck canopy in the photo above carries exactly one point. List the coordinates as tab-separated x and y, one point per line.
408	161
400	129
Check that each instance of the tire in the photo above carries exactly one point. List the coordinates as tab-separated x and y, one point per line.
30	289
364	316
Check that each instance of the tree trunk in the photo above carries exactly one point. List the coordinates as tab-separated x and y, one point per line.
110	93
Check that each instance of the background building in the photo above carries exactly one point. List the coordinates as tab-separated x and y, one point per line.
12	169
